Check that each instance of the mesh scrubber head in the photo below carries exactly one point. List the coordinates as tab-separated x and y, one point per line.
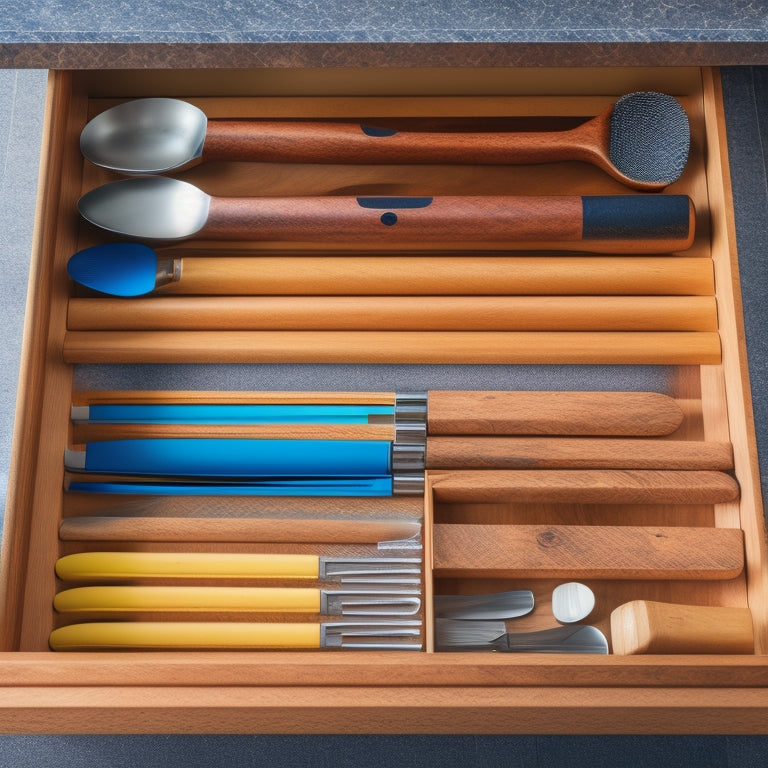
650	137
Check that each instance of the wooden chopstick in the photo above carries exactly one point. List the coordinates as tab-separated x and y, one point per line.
429	347
400	313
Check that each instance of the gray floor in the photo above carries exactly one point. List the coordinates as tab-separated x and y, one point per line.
21	107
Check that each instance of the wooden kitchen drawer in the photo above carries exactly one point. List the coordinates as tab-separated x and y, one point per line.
395	692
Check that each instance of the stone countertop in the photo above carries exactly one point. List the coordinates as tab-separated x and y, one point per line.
296	33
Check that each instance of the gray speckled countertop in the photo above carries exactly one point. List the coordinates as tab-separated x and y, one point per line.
257	33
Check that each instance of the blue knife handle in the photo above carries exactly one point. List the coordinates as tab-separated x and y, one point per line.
331	487
236	413
239	458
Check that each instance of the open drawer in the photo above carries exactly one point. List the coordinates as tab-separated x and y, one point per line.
76	351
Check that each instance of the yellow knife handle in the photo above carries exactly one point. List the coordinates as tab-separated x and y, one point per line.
104	566
149	635
122	599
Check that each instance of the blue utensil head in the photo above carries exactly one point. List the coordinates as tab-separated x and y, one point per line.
117	269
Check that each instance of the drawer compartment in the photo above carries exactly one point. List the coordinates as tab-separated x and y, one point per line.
674	517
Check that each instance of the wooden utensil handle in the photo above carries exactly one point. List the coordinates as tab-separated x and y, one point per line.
114	528
421	274
645	626
455	412
449	452
313	142
584	486
587	552
613	223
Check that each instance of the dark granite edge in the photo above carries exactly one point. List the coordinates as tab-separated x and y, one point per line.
218	55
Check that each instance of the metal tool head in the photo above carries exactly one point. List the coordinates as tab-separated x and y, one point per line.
372	635
370	602
151	207
369	567
145	136
457	635
501	605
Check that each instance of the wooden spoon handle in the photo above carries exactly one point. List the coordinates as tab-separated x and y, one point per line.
453	412
448	452
645	626
420	274
611	223
313	142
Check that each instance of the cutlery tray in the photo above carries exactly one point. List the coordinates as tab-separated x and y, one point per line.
669	323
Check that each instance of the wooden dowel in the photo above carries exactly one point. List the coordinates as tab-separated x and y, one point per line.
430	347
402	313
202	529
587	552
418	274
467	412
584	486
576	453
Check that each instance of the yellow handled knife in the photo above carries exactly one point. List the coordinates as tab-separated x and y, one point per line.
131	599
114	566
147	635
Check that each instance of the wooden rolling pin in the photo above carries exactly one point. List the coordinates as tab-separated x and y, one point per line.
586	552
645	626
396	347
399	313
246	273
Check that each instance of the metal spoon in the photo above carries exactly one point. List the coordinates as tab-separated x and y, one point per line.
642	141
168	209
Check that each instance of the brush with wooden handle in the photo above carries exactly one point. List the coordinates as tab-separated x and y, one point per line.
135	269
646	626
221	635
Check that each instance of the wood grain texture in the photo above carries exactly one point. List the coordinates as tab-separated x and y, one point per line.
307	529
552	413
467	452
587	552
428	347
584	486
209	272
411	313
649	626
552	222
